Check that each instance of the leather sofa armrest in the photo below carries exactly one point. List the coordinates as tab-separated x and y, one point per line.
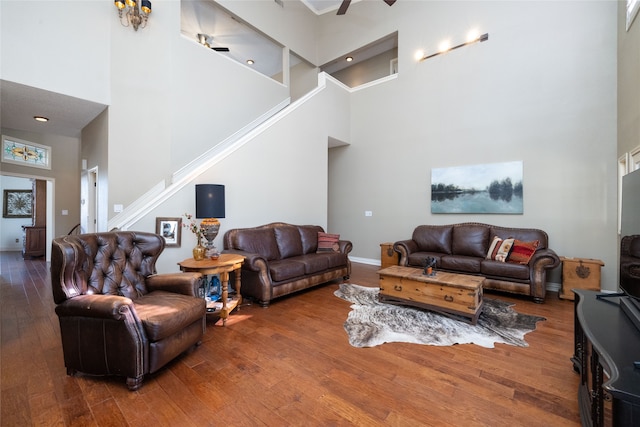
405	248
544	258
179	283
541	261
345	246
111	307
252	261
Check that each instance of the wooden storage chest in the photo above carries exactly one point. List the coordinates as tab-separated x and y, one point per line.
456	295
579	273
388	256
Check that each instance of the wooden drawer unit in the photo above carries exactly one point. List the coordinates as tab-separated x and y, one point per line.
388	256
579	273
456	295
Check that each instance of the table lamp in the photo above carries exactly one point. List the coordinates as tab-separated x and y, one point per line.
210	206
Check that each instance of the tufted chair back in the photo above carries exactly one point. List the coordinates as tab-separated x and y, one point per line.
117	315
111	263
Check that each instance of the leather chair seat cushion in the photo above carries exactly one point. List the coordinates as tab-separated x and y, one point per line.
288	240
504	269
433	238
460	263
470	240
166	313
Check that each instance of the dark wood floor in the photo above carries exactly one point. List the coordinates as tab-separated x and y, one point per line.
289	364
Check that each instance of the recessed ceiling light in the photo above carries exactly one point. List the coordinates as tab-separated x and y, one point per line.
250	61
349	58
41	118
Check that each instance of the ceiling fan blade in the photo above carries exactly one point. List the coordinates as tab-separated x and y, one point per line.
390	2
344	6
220	49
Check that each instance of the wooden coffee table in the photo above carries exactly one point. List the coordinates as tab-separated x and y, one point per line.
225	264
455	295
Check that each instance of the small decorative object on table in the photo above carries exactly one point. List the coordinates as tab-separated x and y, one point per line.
192	225
429	266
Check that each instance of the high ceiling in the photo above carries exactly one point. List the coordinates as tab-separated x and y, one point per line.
69	115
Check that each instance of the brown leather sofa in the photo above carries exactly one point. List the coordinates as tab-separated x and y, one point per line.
462	248
283	258
117	316
630	262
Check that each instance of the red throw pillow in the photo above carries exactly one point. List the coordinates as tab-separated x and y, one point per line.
522	252
328	242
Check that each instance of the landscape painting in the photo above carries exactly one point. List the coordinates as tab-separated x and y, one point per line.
494	188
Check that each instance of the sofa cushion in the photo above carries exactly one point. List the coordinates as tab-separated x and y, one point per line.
524	234
288	240
499	249
433	238
505	270
419	259
461	263
285	269
258	241
522	252
470	240
164	314
334	259
313	263
328	242
309	236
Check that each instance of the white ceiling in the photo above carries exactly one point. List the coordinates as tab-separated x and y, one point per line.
69	115
324	6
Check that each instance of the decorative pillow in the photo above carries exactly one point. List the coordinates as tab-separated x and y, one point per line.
500	249
522	251
328	242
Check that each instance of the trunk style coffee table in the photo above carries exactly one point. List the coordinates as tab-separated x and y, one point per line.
458	296
225	264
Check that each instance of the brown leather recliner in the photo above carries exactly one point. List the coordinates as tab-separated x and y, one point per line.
117	316
630	262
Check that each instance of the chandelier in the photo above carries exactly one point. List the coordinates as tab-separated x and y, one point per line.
132	16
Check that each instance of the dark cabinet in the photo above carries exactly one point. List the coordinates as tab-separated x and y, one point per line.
34	239
607	344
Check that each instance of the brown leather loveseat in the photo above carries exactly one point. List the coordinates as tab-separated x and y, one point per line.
283	258
117	316
516	263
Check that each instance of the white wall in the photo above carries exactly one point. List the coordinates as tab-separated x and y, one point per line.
11	228
628	83
281	175
541	90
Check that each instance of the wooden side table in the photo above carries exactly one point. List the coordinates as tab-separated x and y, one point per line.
225	264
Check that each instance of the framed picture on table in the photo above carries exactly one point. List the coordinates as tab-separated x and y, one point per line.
170	229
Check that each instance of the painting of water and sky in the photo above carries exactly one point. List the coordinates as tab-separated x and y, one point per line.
494	188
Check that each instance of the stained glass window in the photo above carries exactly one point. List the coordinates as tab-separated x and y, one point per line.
25	153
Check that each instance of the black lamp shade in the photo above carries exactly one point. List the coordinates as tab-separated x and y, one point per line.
209	201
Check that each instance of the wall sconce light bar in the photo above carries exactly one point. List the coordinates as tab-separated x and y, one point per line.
483	38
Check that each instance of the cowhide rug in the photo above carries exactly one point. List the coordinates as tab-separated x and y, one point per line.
372	323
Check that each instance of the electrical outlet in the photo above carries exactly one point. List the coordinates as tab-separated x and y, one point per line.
17	240
368	213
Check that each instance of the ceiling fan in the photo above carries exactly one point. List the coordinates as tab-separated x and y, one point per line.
206	40
345	5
